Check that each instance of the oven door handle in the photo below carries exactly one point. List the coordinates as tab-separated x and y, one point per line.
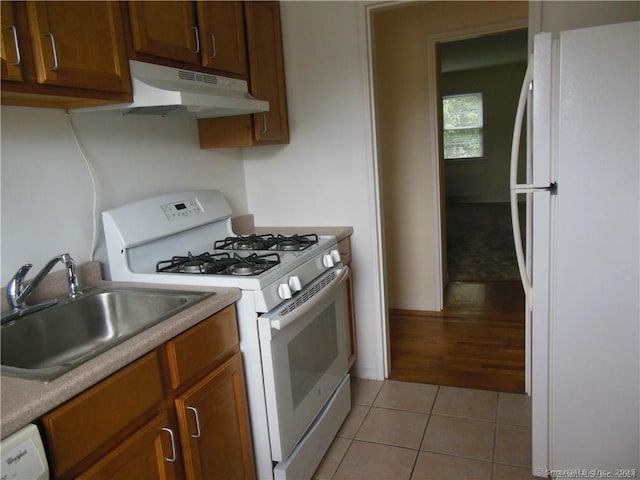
295	310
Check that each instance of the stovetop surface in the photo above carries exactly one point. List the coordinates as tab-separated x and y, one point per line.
232	257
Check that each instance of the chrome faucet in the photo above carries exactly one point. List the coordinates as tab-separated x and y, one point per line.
17	293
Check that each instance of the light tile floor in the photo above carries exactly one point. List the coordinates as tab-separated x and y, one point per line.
399	430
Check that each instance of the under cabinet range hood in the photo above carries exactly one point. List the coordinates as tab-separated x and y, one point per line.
160	90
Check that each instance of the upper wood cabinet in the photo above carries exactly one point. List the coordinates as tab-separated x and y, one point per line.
207	34
64	54
165	29
222	44
79	44
266	64
267	82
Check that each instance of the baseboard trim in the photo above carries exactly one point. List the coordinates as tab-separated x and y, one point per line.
427	307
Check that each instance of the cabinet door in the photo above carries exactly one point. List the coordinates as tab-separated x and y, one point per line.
214	425
352	349
266	67
11	57
344	248
222	36
151	452
79	44
83	425
165	29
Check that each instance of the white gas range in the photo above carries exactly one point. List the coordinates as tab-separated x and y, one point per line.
291	316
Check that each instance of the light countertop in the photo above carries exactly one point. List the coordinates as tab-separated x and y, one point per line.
23	401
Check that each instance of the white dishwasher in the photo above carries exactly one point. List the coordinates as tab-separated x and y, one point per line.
23	456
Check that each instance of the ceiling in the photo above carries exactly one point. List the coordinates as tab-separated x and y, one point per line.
484	51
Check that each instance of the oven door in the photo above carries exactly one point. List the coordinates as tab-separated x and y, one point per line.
303	345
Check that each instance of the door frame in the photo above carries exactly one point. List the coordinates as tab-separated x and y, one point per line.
433	94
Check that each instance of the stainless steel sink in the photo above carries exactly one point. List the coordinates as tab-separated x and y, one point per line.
49	342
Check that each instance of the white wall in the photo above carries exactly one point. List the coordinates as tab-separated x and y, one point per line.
46	189
325	176
554	16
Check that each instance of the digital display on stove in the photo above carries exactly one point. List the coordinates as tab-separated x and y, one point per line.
182	210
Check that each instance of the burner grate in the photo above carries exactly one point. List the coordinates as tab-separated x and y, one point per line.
219	264
246	242
267	242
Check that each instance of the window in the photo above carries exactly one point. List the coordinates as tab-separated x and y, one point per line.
462	119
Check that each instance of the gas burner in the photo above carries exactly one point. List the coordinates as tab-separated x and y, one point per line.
205	263
246	242
295	242
267	242
253	264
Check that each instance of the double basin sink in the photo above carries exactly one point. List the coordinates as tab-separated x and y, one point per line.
47	343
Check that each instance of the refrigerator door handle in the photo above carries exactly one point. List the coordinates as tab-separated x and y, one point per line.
513	183
530	188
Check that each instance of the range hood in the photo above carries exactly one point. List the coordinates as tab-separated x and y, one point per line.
160	90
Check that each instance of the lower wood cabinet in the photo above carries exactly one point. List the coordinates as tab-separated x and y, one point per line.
151	452
178	412
344	248
81	426
214	425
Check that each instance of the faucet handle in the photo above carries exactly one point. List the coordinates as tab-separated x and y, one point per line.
20	275
15	287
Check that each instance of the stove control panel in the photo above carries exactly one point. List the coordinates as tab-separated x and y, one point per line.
183	209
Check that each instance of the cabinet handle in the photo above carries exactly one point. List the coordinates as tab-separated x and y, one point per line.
195	414
264	123
173	445
14	32
197	34
213	46
54	51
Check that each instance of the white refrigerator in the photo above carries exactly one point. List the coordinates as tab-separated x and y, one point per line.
580	263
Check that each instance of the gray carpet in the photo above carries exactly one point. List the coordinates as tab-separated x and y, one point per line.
480	242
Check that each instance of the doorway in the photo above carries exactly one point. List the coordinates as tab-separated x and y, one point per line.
410	175
479	81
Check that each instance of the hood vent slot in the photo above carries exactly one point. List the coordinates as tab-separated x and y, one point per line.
197	77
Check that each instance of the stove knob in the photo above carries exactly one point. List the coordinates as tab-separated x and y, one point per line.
335	255
327	261
294	283
284	292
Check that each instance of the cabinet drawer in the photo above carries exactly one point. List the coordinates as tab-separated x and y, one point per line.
201	346
83	424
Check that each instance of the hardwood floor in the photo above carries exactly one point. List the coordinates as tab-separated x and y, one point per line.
476	342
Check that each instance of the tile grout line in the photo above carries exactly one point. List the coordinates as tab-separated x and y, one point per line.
495	437
355	433
424	433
